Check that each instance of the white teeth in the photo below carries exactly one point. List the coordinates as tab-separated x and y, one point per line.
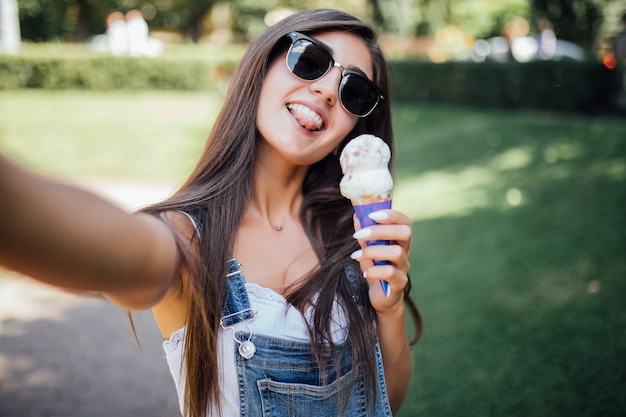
301	108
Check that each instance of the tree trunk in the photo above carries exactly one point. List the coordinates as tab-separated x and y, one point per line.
377	13
82	31
195	26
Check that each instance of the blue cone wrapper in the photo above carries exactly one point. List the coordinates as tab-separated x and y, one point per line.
362	212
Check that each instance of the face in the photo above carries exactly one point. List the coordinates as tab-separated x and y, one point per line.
303	121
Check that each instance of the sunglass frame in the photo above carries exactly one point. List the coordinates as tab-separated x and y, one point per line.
294	37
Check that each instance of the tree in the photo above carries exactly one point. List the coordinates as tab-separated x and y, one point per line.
185	16
76	20
377	13
577	21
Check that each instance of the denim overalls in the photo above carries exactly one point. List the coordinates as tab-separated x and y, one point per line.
280	378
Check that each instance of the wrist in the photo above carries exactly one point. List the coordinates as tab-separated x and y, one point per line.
394	312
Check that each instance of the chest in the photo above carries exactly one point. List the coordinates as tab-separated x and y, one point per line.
275	259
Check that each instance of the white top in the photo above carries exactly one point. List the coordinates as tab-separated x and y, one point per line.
137	31
274	317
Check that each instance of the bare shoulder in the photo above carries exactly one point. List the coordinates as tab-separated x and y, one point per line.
182	223
171	312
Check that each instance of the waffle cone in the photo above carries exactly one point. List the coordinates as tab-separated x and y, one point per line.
369	199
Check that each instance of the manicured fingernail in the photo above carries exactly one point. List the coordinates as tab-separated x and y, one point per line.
356	254
362	234
378	216
364	274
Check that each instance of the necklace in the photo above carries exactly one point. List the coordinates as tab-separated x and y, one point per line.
278	227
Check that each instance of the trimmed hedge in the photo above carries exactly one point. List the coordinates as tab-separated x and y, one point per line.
550	85
111	73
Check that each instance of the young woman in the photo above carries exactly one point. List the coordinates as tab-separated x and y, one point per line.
269	302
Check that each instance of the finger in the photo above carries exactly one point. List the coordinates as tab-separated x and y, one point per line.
393	254
396	233
395	279
364	262
389	217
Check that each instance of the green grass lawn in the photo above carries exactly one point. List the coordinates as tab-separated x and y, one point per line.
134	135
519	224
518	261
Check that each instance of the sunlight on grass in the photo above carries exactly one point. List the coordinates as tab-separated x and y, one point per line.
437	193
443	193
514	158
614	169
562	151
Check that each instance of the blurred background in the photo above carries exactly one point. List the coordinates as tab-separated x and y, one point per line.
439	29
510	159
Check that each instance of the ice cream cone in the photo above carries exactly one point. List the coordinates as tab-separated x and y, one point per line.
367	182
362	212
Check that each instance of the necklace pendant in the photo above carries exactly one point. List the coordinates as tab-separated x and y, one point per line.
278	227
247	349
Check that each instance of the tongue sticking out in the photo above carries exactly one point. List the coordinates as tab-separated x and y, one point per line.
306	121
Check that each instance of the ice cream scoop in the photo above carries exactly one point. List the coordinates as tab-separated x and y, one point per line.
364	162
367	182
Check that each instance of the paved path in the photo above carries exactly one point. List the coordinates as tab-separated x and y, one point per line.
65	354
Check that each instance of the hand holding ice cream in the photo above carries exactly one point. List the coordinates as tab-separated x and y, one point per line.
367	182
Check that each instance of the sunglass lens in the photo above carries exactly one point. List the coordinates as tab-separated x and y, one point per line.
357	95
307	60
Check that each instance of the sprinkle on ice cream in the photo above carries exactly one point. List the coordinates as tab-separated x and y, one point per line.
364	162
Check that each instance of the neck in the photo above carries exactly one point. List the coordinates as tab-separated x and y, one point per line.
277	194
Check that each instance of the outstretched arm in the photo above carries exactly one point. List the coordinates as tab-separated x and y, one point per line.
65	236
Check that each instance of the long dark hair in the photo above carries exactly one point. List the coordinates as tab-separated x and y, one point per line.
218	190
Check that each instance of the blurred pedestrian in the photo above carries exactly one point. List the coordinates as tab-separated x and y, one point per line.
116	35
137	33
546	40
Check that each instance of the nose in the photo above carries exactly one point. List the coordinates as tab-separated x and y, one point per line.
328	85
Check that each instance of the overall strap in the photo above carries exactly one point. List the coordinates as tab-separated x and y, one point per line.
236	306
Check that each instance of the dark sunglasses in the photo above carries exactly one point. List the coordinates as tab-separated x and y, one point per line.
309	60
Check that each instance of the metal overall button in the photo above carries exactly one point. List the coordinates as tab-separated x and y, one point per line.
247	349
